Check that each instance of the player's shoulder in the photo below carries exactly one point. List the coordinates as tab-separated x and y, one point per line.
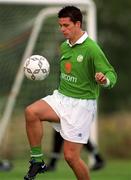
92	44
64	47
63	44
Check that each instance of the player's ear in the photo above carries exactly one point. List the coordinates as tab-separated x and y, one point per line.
78	24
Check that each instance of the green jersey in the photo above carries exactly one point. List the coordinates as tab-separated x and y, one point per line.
78	65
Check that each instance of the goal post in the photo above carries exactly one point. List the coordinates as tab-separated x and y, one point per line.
50	9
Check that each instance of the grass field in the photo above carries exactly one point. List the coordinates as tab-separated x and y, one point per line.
114	170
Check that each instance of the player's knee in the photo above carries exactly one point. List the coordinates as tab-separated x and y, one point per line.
29	114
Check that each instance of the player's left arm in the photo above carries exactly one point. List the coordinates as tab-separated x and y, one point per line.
105	74
102	79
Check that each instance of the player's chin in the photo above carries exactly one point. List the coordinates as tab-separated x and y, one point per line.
66	36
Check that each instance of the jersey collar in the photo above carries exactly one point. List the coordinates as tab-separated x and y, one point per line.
79	41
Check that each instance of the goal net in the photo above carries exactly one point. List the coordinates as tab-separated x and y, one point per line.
30	27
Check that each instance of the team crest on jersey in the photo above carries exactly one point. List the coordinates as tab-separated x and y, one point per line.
80	58
68	67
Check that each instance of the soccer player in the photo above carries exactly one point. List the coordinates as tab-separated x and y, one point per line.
98	161
71	109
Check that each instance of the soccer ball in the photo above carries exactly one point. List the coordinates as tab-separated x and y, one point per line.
36	67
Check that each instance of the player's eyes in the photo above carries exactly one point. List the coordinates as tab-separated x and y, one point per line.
64	25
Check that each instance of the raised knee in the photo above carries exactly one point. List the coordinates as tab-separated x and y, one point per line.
29	113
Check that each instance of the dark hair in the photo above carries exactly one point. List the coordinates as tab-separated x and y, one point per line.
72	12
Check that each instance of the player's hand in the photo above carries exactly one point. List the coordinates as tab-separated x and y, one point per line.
100	78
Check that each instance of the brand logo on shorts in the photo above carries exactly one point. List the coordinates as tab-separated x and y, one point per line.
80	135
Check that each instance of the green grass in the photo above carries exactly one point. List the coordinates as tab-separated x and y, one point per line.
114	170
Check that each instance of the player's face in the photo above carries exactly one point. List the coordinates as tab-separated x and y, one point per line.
68	28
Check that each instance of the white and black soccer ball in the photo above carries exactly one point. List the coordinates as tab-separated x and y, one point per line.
36	67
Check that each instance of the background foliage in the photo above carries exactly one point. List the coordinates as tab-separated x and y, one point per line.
114	35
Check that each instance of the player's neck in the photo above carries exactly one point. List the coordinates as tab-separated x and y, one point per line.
76	37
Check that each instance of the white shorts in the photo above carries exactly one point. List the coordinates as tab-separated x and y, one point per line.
76	116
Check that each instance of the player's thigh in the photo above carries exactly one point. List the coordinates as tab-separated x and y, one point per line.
44	111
